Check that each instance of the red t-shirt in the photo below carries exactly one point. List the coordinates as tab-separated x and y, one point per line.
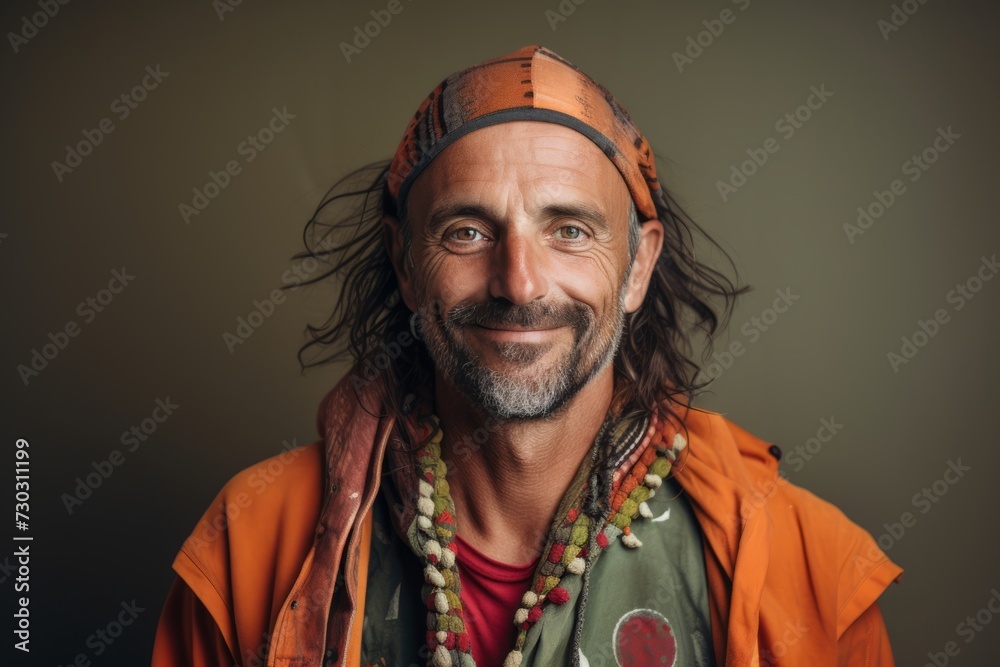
491	593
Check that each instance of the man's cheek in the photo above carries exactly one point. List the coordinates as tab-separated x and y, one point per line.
451	286
590	273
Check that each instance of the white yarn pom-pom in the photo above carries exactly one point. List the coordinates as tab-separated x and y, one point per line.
513	659
432	548
442	658
425	506
631	541
433	577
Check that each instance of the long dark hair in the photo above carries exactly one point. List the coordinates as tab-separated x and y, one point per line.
369	324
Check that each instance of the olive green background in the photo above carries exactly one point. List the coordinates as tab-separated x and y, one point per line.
826	357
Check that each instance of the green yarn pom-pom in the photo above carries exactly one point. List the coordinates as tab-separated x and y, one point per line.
660	467
629	508
639	495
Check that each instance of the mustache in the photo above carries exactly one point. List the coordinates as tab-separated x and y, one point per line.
540	315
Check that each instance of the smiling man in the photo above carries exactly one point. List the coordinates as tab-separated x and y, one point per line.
513	473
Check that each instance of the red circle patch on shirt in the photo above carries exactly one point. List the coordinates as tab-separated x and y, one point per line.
644	638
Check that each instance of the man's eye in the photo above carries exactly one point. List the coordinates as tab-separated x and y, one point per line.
466	234
570	233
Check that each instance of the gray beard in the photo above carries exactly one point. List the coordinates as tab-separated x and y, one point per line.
517	394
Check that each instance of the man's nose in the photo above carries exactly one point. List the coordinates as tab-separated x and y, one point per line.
519	269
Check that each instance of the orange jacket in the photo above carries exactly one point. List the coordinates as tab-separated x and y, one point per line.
270	574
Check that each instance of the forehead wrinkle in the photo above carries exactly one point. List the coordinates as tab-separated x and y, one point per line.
580	161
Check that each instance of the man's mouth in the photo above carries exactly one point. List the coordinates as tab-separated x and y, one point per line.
511	327
515	333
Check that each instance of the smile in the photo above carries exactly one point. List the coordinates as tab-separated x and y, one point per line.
515	334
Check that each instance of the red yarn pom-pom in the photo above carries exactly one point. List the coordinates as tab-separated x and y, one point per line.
558	595
535	613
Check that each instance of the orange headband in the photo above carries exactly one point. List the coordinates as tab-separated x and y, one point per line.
532	83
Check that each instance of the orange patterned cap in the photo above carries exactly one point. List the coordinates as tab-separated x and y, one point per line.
532	83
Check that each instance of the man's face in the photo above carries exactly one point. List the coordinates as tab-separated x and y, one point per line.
519	265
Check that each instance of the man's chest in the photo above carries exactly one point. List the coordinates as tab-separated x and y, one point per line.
645	606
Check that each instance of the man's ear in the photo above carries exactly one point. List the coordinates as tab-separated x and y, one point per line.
646	256
392	237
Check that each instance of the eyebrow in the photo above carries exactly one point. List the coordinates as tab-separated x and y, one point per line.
578	210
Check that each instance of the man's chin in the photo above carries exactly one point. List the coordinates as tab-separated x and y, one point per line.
518	392
523	359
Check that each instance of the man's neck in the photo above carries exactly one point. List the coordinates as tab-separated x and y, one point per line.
507	479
